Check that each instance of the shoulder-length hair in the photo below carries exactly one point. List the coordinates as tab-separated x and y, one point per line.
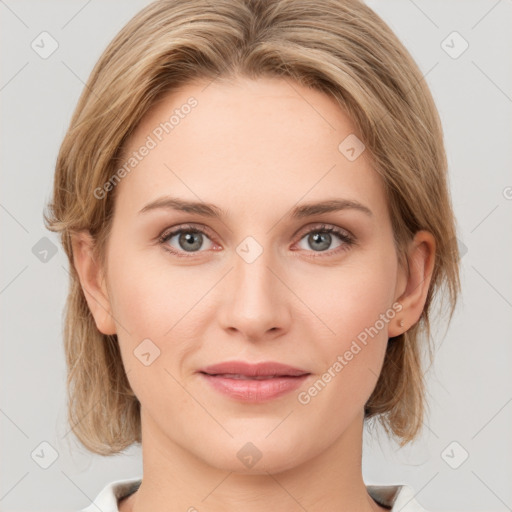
339	47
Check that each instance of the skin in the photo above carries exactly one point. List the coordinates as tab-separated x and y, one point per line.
255	148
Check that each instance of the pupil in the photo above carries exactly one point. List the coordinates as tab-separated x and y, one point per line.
323	238
191	244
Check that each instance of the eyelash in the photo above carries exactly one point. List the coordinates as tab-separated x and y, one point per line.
348	240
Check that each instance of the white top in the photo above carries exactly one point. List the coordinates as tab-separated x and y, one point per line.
397	497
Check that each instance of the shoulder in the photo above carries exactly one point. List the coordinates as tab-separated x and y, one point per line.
399	497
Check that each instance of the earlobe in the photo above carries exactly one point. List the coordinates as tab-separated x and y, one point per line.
421	258
92	281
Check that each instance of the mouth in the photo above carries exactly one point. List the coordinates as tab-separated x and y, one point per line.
242	369
238	376
253	382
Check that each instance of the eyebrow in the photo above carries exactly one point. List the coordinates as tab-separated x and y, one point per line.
213	211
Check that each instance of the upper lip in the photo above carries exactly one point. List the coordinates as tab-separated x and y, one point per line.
271	369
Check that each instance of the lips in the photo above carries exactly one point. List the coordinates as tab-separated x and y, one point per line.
253	383
249	371
245	377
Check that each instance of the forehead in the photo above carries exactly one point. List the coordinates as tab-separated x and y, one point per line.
268	139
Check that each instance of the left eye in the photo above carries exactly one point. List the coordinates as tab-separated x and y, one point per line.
321	238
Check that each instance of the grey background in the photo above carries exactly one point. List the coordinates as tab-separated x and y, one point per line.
470	385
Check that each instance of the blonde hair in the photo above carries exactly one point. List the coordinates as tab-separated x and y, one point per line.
339	47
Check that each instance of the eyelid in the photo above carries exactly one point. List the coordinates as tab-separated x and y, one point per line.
183	227
319	226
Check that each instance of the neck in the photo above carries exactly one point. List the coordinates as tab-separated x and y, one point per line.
174	479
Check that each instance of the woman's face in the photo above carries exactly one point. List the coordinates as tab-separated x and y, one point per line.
261	281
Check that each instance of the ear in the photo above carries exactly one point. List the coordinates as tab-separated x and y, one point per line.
412	289
92	281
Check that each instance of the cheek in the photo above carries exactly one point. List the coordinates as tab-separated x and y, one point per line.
351	352
153	302
356	296
148	297
355	306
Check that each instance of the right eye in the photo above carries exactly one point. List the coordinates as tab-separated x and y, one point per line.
187	240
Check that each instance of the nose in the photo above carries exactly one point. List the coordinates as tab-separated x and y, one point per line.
256	301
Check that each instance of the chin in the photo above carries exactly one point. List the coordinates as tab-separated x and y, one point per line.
257	457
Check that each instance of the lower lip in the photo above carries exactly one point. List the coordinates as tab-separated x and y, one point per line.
255	390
